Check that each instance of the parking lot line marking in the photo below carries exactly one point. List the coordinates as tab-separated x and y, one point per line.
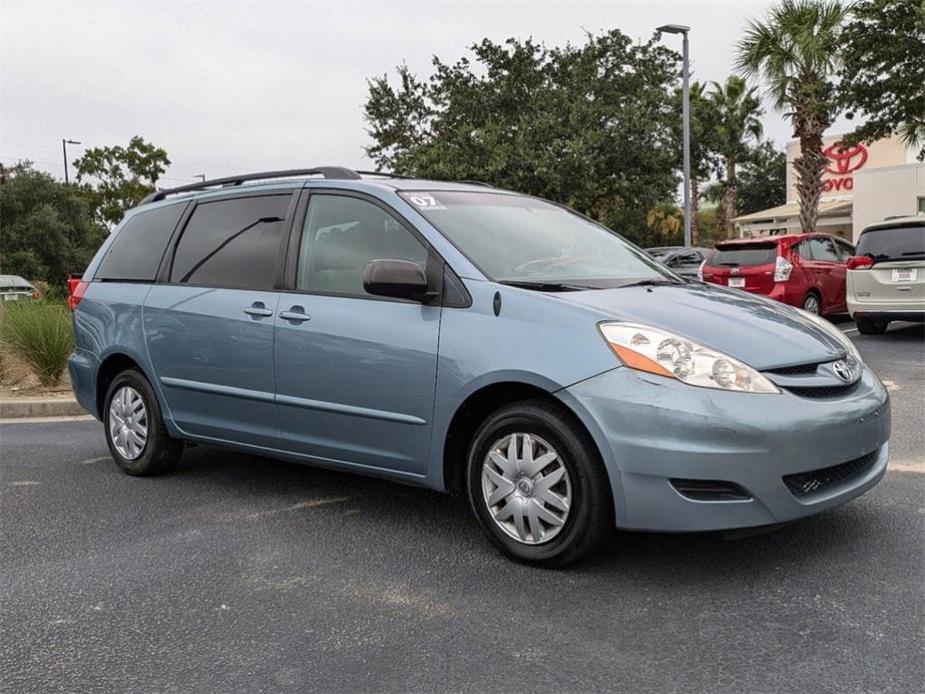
850	330
95	460
311	503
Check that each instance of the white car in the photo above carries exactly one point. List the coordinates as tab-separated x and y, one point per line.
14	288
886	275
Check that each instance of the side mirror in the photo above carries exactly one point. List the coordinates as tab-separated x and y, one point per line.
399	279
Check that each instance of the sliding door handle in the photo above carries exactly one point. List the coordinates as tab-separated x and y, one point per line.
296	314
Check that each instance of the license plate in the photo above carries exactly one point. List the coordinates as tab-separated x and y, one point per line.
9	297
736	282
905	275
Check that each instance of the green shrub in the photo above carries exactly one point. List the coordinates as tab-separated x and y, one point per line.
40	333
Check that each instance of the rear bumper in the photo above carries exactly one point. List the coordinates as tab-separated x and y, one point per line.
651	430
884	312
83	367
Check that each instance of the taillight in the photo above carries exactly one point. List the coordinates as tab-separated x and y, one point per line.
782	268
860	262
76	288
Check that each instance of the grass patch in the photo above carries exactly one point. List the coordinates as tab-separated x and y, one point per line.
40	334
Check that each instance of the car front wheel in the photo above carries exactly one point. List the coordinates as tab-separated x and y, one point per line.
537	486
135	431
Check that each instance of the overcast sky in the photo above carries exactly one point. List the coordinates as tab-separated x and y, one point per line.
229	87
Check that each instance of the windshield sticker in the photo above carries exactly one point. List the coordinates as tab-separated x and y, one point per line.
425	202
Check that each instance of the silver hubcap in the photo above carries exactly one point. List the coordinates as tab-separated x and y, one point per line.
128	422
526	488
811	304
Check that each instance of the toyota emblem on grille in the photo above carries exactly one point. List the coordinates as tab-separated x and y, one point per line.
843	370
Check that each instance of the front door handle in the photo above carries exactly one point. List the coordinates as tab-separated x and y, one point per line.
258	310
296	314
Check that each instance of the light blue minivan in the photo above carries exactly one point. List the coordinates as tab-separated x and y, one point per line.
473	340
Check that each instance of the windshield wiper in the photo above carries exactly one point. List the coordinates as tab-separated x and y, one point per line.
547	286
652	282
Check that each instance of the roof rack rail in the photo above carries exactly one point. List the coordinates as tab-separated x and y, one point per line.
387	174
473	182
325	171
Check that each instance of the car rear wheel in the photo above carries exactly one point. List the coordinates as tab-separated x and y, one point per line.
135	431
872	327
811	304
537	486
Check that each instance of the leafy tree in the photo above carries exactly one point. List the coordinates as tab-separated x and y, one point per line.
796	53
121	176
762	180
738	116
883	70
48	230
590	126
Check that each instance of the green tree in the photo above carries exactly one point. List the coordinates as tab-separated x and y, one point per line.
666	222
48	230
796	53
738	116
762	179
119	177
883	70
590	126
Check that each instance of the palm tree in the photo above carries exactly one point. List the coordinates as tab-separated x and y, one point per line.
666	221
738	112
796	53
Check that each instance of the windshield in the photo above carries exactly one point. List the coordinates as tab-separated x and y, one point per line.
514	238
898	243
744	254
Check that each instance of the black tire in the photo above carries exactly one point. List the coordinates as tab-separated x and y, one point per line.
872	327
590	519
810	299
160	452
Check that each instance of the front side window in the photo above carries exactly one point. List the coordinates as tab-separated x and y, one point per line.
232	243
342	235
514	238
136	252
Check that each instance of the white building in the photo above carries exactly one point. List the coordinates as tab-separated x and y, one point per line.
863	184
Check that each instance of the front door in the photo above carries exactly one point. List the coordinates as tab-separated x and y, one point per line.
355	373
209	328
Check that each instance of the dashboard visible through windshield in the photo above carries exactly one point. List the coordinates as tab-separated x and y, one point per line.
521	240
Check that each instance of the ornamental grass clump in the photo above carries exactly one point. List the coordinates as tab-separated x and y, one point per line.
40	334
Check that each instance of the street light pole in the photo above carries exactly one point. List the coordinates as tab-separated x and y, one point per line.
686	117
64	144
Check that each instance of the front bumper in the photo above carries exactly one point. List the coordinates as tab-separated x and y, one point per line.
651	429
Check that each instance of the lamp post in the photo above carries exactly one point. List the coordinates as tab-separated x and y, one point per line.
686	117
64	144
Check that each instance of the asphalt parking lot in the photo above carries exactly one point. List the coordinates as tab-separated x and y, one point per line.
240	574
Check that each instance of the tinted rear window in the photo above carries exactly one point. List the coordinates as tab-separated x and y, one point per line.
232	243
139	246
904	243
744	254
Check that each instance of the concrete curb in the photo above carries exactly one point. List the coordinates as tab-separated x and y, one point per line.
21	408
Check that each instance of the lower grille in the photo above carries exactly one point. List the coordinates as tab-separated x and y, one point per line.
805	484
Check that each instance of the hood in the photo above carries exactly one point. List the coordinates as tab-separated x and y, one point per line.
763	333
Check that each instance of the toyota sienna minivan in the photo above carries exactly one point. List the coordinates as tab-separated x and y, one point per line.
470	340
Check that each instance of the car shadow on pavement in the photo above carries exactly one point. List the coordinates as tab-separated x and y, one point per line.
410	518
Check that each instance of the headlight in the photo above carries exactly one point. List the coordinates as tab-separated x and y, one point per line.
843	339
664	354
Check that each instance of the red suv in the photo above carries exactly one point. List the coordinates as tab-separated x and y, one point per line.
805	270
